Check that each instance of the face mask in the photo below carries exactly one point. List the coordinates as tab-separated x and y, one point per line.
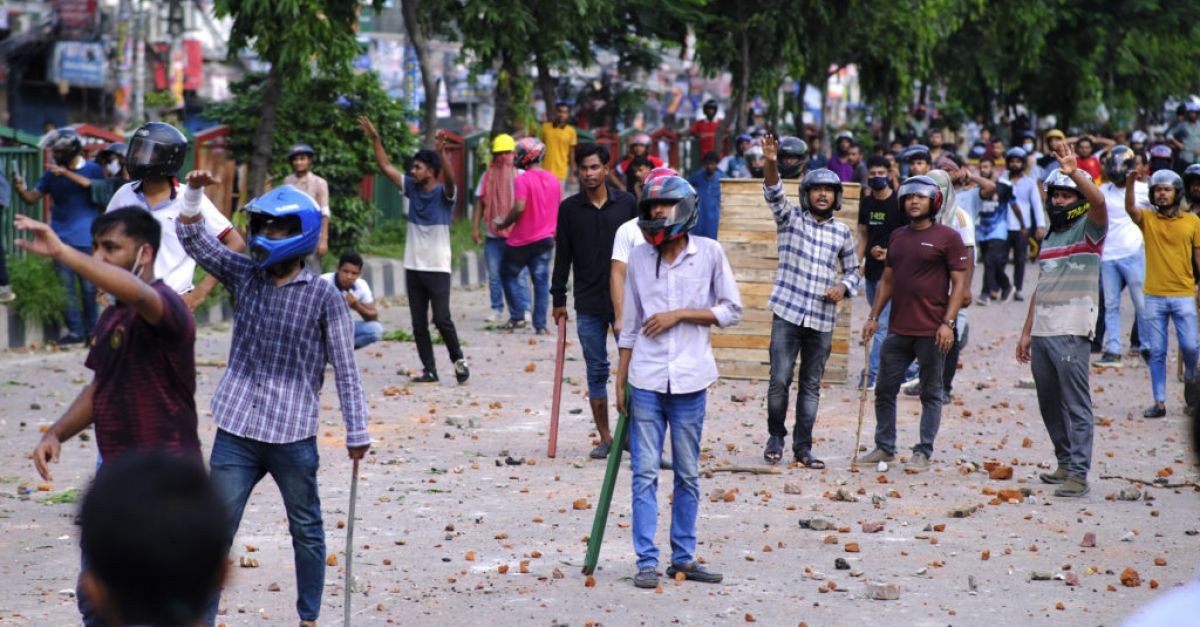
136	269
113	167
877	183
1028	147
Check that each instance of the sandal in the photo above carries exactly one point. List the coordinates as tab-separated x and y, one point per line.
774	452
512	325
807	460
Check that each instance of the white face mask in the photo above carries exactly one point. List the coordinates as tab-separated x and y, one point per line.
137	264
113	167
1028	148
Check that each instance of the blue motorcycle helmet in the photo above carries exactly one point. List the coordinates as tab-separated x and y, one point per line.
298	215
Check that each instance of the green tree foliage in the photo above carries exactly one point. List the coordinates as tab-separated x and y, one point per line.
322	111
290	35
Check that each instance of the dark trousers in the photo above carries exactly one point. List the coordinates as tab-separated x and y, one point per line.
3	265
1060	373
813	346
1019	246
425	289
898	351
995	256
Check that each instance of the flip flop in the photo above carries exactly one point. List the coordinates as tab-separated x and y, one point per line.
774	452
807	460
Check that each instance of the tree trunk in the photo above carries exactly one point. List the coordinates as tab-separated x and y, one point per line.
741	93
420	44
504	120
260	159
546	83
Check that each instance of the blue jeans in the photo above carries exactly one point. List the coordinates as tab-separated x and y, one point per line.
534	257
80	322
880	332
593	339
1116	275
367	332
650	413
493	253
813	347
237	464
1159	311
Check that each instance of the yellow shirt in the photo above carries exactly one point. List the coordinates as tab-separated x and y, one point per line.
1169	246
558	148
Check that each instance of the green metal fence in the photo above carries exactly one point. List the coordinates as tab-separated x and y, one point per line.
28	162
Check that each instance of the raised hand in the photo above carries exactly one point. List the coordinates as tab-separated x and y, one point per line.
365	123
770	147
1066	158
45	241
199	179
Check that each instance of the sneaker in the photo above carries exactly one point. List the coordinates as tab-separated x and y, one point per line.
426	376
1006	294
1109	360
6	294
461	372
912	388
496	316
646	578
541	331
694	572
1017	297
1073	487
983	301
1058	477
512	325
1191	392
918	462
913	380
870	381
876	456
1154	411
601	451
69	339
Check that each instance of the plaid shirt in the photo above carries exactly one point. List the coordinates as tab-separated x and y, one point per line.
807	252
282	337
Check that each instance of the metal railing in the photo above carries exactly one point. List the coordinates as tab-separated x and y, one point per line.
28	162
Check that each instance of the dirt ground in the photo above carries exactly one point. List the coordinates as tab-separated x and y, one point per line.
448	533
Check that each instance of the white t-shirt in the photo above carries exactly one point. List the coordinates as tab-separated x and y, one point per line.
1124	238
360	289
1026	196
628	236
172	265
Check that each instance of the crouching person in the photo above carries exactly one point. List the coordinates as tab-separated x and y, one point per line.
675	289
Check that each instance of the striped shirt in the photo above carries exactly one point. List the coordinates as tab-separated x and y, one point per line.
282	337
1068	289
808	252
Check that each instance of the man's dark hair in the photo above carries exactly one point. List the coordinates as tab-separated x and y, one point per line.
154	535
878	161
431	159
562	103
583	151
711	157
640	162
139	225
352	258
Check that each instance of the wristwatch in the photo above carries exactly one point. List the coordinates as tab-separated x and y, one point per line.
950	323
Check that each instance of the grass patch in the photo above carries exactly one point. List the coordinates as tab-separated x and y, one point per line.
66	497
387	240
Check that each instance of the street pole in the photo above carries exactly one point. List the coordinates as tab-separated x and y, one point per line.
139	63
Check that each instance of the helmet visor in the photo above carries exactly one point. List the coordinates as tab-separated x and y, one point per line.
147	152
919	189
274	227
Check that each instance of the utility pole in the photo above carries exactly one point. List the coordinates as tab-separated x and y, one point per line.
139	63
175	62
125	64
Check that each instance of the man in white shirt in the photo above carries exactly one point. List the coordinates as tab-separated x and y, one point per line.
1025	214
153	161
1123	260
348	279
675	290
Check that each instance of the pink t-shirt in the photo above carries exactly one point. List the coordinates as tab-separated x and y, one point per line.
541	191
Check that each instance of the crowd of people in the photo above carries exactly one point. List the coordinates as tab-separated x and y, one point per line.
635	248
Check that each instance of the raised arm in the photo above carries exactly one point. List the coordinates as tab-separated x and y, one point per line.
115	280
448	183
381	157
770	147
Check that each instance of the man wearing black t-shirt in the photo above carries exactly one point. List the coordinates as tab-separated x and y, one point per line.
878	215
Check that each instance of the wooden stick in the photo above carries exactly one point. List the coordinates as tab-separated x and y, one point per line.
1152	483
559	358
862	401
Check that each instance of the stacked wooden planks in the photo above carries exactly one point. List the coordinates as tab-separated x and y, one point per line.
747	234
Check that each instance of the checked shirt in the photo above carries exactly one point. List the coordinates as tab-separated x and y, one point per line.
282	337
809	252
